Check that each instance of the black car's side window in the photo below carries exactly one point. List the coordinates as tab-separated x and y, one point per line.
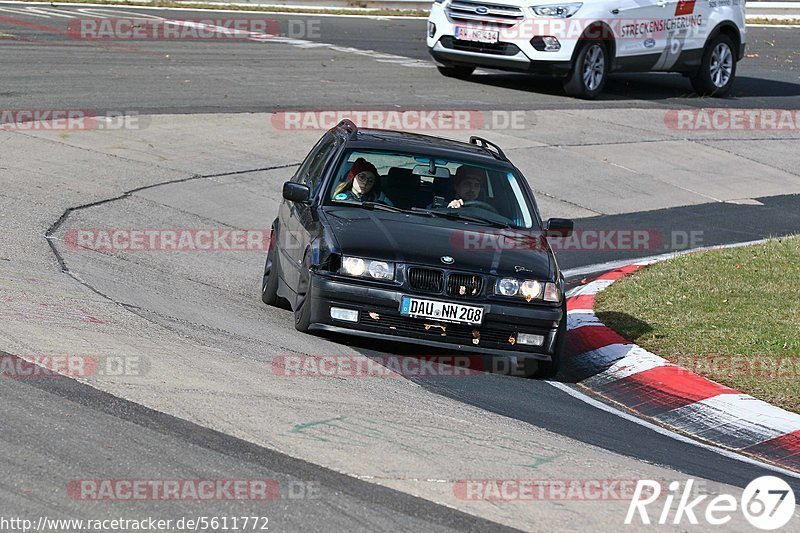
312	168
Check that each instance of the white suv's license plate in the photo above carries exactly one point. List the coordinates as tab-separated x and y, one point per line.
477	34
444	311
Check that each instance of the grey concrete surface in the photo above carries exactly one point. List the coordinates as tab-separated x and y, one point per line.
83	434
208	341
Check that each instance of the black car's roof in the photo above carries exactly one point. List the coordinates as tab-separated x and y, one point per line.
370	139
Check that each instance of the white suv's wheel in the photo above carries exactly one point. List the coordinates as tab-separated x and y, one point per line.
717	69
588	75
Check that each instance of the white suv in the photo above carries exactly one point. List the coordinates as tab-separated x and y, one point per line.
584	41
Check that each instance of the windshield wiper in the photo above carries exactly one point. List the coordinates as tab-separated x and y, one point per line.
454	215
385	207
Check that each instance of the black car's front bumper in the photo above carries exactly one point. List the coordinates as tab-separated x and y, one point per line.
379	317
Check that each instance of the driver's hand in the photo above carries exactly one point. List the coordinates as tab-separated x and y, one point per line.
455	204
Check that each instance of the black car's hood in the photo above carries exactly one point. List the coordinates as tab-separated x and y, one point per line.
420	239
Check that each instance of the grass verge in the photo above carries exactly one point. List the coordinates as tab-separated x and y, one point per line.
732	315
773	22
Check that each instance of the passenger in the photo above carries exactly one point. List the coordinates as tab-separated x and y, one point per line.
363	183
467	183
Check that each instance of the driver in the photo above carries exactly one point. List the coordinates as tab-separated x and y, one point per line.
362	184
467	182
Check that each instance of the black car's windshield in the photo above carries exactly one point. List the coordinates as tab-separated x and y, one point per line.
434	187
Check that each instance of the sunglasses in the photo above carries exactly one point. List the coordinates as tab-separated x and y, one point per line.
363	178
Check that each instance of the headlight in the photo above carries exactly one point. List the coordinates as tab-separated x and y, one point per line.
367	268
353	266
508	287
529	289
557	10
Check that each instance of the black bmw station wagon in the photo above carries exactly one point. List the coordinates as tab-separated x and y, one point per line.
408	237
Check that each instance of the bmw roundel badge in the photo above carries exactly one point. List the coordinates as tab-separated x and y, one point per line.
447	260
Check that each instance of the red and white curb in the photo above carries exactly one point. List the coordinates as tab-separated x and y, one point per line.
671	396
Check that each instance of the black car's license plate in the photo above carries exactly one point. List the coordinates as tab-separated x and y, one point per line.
445	311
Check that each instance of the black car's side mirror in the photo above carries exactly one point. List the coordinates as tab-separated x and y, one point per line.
559	227
296	192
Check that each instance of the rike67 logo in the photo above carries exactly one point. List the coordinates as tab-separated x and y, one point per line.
767	502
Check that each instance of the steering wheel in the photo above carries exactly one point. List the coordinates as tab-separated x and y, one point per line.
482	205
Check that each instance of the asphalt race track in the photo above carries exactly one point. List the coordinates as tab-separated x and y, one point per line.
348	453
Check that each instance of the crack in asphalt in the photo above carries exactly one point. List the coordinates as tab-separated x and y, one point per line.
65	215
134	309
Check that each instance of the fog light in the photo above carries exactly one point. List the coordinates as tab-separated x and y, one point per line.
530	339
547	43
344	314
431	29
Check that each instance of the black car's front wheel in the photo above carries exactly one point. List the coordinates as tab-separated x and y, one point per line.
302	303
269	285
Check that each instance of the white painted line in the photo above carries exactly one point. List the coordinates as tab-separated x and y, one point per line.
612	265
609	355
638	361
577	318
746	412
594	287
35	12
669	433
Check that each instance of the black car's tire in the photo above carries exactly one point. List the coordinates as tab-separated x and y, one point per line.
269	285
548	369
589	71
302	303
717	69
456	72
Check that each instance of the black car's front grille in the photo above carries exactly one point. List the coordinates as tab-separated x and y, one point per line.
464	285
426	279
